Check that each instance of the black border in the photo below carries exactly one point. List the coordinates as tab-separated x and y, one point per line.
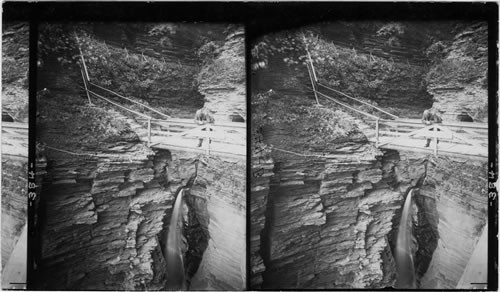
262	18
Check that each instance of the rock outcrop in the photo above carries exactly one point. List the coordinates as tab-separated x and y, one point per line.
262	171
459	82
107	201
15	61
452	204
223	266
15	64
101	218
223	80
461	208
14	202
327	220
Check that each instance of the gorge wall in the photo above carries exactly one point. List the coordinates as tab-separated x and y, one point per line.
326	206
107	199
223	80
459	82
15	61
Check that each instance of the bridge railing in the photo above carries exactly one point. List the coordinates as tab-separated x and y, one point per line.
231	133
475	134
316	85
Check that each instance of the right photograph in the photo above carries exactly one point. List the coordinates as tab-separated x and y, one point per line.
369	156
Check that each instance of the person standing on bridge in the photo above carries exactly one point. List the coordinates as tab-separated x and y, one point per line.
430	117
203	116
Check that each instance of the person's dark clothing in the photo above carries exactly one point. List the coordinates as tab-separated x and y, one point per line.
430	118
202	117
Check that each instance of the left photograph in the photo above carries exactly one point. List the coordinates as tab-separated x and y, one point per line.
15	65
141	139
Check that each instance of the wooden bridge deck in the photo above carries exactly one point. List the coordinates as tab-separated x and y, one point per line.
444	148
228	139
190	145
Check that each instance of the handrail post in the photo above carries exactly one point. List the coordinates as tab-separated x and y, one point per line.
376	131
207	139
149	132
86	89
434	134
312	81
312	66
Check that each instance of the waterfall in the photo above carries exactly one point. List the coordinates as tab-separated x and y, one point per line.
404	259
175	263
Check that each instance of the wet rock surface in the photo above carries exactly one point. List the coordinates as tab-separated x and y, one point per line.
223	266
451	213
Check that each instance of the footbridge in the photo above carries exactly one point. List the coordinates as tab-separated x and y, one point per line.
227	139
460	139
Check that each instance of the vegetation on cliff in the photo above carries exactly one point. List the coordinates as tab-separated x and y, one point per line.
15	65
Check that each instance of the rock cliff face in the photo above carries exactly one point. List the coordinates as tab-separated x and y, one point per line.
14	202
104	216
101	217
15	60
222	80
262	171
459	82
15	64
107	201
328	218
223	266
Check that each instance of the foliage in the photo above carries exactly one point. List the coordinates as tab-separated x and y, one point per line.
359	75
436	51
312	125
224	70
327	124
291	43
101	124
392	31
452	70
133	74
208	51
57	39
221	66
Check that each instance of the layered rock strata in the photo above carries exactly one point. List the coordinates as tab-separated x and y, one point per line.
328	220
14	202
460	82
222	185
262	170
222	82
451	195
102	215
15	63
460	190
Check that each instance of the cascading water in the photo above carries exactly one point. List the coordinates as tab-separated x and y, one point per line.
174	257
404	258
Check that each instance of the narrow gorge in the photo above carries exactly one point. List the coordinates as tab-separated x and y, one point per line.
326	203
106	197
